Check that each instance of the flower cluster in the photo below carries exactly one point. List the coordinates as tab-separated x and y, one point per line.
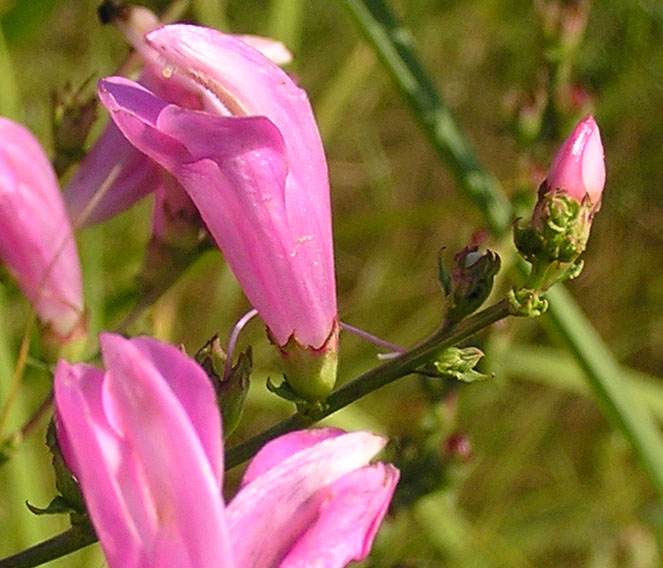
228	144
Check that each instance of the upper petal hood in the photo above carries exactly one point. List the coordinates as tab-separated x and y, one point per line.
246	83
236	171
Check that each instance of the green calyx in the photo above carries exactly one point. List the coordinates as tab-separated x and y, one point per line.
554	240
558	232
310	373
457	363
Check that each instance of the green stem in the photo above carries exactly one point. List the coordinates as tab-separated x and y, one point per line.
372	380
60	545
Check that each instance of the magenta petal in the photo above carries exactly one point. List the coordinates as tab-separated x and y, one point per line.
184	491
135	111
245	83
290	493
36	239
234	170
145	474
113	166
193	390
96	456
578	168
283	447
349	515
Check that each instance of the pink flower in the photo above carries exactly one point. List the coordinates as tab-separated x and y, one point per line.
112	177
143	439
36	241
114	174
578	168
253	164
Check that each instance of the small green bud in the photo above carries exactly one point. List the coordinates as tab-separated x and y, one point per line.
457	363
527	302
471	281
231	388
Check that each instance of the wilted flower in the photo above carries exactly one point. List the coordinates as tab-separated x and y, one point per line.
36	241
252	163
144	440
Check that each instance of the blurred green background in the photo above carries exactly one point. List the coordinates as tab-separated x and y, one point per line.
548	481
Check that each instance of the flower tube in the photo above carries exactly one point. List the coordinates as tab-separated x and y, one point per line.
36	241
144	440
252	163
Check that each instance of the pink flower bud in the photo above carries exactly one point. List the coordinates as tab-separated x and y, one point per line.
578	169
567	201
36	241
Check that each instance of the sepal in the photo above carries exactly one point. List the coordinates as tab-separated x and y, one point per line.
470	281
232	388
310	372
457	363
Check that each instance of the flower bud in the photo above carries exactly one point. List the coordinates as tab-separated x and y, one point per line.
232	385
470	281
578	168
567	201
36	241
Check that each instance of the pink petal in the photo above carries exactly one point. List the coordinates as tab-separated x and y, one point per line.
193	390
234	171
113	176
272	49
36	239
248	84
578	168
283	447
349	517
184	491
290	493
98	457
